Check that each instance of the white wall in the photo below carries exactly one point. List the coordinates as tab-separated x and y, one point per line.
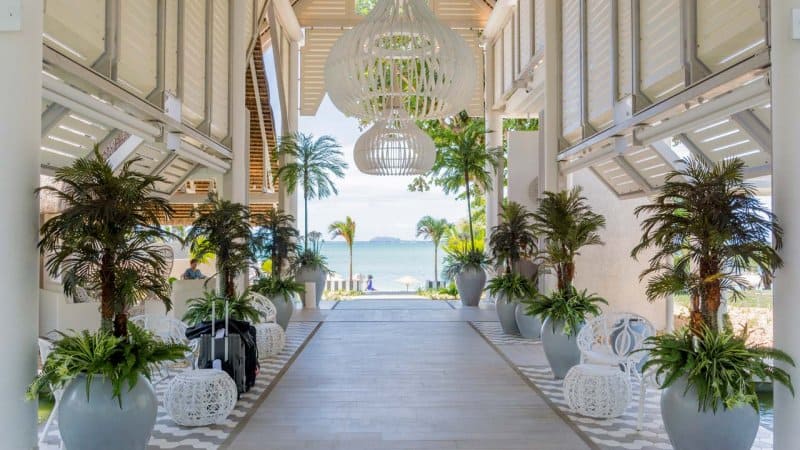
523	166
609	270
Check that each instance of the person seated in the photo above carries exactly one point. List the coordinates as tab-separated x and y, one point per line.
193	273
369	283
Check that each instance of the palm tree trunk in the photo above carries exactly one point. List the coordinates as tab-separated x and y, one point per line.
436	266
350	246
305	213
469	212
710	302
107	294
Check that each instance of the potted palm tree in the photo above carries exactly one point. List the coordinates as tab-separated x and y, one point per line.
311	266
466	264
708	221
347	230
511	241
280	290
464	162
312	165
222	228
433	229
277	237
108	239
567	223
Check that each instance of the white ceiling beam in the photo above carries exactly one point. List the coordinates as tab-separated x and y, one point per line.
755	128
749	96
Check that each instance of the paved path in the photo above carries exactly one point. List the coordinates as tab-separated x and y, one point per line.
385	376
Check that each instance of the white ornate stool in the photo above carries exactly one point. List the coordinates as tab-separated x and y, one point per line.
597	390
200	397
270	339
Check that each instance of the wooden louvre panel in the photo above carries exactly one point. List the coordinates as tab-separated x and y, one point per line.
600	93
76	29
193	75
728	31
138	33
661	69
220	69
570	71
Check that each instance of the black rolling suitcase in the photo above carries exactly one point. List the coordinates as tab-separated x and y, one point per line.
236	349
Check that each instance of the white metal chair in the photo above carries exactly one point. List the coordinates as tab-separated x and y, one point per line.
167	329
270	337
45	347
617	339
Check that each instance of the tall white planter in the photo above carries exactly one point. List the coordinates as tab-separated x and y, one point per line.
470	283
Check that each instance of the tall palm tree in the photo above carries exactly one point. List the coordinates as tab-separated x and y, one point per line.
222	228
567	223
709	223
464	162
108	238
277	237
514	237
347	230
433	229
313	163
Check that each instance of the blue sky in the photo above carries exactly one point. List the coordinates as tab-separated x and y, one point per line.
380	206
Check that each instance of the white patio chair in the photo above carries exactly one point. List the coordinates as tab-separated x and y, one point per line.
167	329
45	347
265	307
617	339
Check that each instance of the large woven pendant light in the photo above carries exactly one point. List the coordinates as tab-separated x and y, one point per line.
394	147
400	56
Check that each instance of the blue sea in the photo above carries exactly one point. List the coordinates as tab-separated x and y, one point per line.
386	261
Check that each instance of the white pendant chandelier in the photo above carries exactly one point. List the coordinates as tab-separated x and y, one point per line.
400	56
394	147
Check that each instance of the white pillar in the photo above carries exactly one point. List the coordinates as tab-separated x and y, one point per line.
20	135
785	186
236	183
494	195
287	201
550	118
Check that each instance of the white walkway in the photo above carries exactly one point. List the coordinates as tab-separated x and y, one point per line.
390	374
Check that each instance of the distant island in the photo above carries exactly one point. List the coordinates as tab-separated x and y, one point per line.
385	239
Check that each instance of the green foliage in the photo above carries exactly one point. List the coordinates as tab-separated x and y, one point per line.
312	165
567	223
718	364
449	292
222	227
119	359
569	306
513	238
341	295
708	220
435	230
512	286
108	239
462	159
457	239
273	287
347	230
240	307
276	237
460	260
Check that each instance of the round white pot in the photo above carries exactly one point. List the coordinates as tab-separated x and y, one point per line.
284	307
690	429
99	423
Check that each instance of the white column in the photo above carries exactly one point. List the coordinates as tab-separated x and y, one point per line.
785	186
494	196
236	183
287	201
550	117
20	135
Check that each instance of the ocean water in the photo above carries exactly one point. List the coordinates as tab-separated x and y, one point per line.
385	261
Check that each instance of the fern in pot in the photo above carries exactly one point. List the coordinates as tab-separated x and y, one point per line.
563	314
311	266
513	241
567	223
468	267
281	292
709	223
108	239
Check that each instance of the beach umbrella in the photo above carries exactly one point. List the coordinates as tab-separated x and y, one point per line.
407	280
